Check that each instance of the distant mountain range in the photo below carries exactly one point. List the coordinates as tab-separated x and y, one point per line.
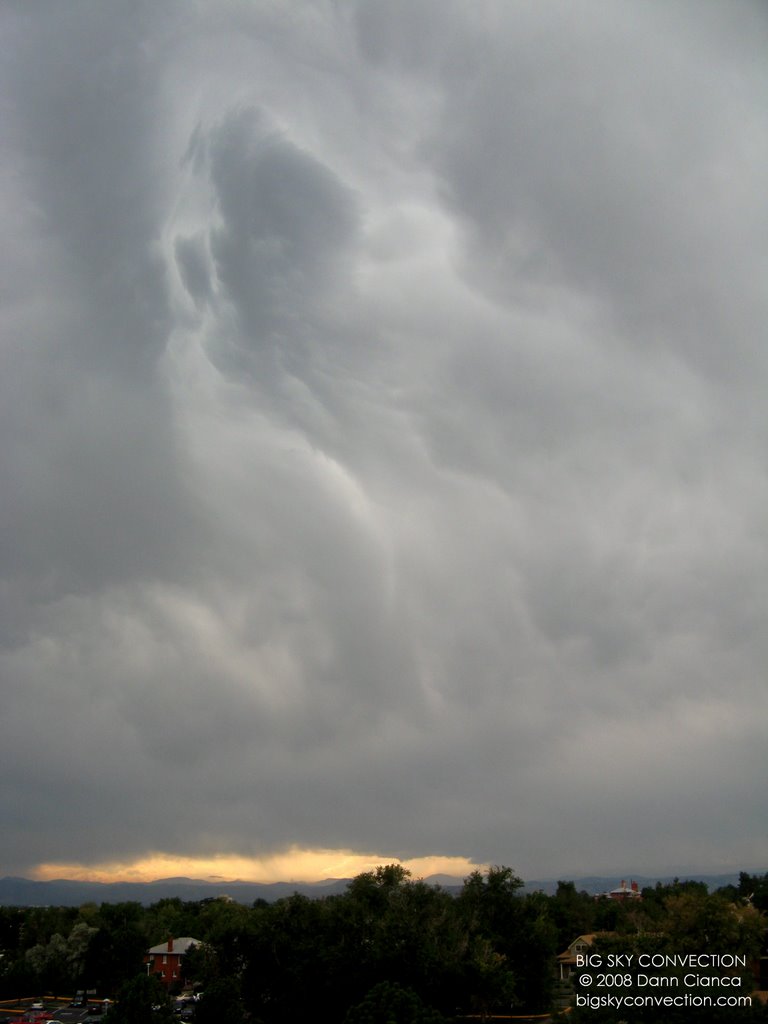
63	892
25	892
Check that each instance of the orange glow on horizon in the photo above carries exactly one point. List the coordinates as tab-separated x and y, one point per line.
292	865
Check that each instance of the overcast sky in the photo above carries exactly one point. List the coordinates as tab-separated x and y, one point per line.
384	435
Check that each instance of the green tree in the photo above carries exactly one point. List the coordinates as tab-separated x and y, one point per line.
753	889
116	952
510	943
201	965
48	964
78	943
225	927
58	964
703	923
169	916
390	1003
572	913
220	1004
142	1000
487	917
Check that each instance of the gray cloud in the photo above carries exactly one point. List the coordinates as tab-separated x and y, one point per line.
383	459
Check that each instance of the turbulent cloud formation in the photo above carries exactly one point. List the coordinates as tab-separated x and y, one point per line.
384	431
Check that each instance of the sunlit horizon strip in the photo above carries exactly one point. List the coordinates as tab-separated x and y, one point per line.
293	865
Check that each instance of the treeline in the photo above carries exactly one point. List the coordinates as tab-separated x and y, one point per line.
389	948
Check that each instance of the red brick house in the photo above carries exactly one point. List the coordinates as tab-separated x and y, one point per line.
622	892
165	960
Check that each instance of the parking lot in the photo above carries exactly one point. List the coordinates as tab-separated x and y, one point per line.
34	1010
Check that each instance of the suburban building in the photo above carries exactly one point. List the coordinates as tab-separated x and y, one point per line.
624	892
566	962
164	961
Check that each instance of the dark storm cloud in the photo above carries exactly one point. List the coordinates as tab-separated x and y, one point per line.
596	149
94	492
192	261
383	459
285	217
91	151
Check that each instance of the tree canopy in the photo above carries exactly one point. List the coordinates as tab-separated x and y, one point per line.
390	948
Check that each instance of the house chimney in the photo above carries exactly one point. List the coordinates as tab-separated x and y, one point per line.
170	944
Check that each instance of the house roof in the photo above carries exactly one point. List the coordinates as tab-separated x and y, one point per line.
569	954
588	939
180	946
